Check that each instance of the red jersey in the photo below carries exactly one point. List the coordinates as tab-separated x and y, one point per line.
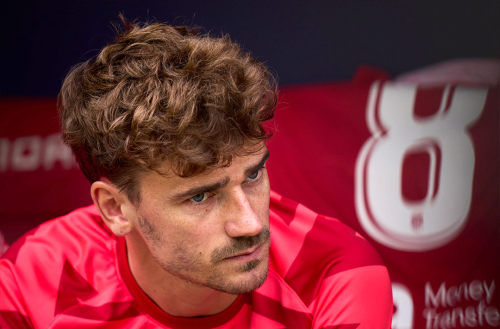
72	271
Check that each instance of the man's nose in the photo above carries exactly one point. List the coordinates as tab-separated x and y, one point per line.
241	219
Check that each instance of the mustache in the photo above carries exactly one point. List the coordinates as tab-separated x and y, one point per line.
240	244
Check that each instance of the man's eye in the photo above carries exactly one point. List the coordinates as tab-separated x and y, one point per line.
253	176
199	197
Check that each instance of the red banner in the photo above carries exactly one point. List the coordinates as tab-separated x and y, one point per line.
414	170
39	177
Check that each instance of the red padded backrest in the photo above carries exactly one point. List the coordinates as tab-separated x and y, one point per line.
39	177
415	171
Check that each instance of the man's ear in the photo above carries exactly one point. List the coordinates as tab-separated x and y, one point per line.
114	207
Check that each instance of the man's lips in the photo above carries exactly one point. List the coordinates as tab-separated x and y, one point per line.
247	255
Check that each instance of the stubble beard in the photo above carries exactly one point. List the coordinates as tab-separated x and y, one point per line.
258	276
217	277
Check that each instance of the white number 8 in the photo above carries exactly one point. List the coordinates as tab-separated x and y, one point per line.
382	209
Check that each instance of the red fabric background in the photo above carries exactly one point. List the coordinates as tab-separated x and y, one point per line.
33	195
319	132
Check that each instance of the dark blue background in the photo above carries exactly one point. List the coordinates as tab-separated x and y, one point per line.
301	41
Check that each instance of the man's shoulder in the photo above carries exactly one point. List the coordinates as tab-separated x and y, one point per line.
60	238
307	248
301	235
69	263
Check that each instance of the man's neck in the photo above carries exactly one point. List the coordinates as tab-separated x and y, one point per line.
176	296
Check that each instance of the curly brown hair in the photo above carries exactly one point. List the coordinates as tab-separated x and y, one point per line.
161	93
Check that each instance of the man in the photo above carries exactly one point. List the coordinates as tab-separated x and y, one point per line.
168	127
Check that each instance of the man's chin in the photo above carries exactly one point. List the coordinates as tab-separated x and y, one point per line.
242	282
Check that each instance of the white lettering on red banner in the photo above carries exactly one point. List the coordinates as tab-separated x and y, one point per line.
442	310
26	153
56	151
29	153
383	211
403	302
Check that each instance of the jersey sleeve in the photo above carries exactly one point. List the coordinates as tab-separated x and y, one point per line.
354	288
54	269
13	313
335	272
358	298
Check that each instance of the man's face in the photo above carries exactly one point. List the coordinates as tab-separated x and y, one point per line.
213	228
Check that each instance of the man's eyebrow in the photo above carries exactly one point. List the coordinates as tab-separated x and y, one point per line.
220	184
201	189
253	169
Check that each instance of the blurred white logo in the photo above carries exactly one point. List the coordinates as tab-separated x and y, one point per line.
29	153
383	210
403	316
